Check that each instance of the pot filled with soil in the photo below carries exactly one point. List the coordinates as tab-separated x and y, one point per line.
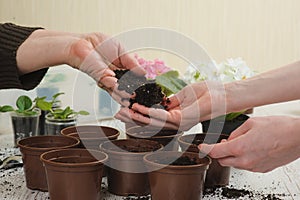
168	138
91	136
31	149
176	175
74	174
216	175
219	125
127	174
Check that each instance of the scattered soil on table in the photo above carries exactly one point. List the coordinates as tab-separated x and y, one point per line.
147	92
233	193
137	198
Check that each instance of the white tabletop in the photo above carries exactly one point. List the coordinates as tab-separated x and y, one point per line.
284	182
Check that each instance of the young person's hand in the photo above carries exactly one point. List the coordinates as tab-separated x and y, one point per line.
261	144
192	104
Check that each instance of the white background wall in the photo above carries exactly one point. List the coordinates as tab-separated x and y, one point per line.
265	33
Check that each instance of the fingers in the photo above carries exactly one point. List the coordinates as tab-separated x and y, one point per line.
174	102
152	112
109	84
129	62
128	115
243	129
219	150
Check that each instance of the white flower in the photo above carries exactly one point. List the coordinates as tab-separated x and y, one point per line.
227	71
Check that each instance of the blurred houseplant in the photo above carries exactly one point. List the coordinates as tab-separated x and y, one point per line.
57	118
25	118
227	71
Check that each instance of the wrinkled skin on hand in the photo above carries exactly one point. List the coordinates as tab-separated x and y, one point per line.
98	55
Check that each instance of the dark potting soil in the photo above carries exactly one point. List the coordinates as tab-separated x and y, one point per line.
181	161
147	92
184	160
137	148
233	193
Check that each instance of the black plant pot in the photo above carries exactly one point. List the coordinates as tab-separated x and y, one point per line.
42	127
225	127
54	126
24	126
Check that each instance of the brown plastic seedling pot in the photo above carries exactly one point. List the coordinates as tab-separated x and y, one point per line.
31	149
176	175
168	138
127	174
216	175
91	136
74	174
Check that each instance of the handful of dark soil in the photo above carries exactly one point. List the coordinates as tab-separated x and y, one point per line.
147	92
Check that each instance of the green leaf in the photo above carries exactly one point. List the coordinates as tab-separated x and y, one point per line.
24	103
43	105
65	113
29	112
231	116
39	98
6	108
83	112
54	97
170	83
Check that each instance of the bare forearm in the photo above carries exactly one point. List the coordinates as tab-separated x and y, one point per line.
43	49
275	86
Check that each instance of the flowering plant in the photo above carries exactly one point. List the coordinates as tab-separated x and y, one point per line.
227	71
169	81
164	76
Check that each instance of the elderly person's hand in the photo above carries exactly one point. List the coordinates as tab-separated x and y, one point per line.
98	55
95	54
261	144
192	104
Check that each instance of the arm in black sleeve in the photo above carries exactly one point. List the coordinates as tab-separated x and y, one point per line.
11	37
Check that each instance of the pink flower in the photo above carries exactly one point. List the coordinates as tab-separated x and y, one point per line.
153	68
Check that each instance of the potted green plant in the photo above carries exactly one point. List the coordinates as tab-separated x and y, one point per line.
40	103
25	118
58	119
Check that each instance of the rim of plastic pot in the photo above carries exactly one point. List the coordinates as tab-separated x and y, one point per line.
194	135
177	154
27	143
73	129
50	118
47	157
15	114
114	152
136	135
